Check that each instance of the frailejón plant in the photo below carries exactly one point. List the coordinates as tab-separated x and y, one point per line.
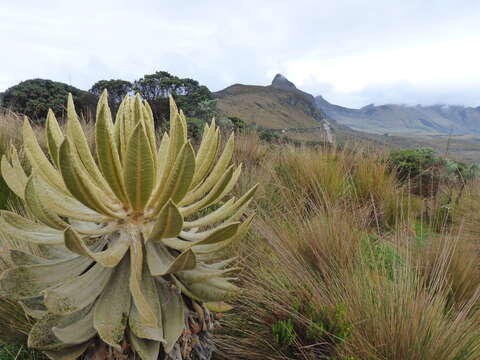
126	251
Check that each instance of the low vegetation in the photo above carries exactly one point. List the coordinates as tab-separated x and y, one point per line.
354	254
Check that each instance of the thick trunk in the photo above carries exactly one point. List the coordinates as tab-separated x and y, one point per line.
194	344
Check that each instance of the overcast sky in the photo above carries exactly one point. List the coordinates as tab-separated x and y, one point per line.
353	52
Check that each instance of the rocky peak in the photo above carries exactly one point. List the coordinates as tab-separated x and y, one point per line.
281	82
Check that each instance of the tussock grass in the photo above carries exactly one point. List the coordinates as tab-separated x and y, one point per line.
343	262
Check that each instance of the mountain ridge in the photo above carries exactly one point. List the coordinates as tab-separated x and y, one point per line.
282	107
407	119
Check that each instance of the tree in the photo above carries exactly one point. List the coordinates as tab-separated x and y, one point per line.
34	97
188	93
206	109
117	89
154	86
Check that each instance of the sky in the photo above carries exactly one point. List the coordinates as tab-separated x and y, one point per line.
352	52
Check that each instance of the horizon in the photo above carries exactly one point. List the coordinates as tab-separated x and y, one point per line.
424	54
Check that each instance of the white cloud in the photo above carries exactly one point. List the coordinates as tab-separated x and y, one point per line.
431	66
353	51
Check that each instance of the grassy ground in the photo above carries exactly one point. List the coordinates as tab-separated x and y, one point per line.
342	261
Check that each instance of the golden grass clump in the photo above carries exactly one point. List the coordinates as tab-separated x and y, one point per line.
342	264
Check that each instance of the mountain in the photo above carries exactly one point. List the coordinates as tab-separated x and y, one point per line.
279	106
407	120
282	83
284	108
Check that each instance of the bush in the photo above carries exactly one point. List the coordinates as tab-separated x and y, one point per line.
34	97
195	128
421	168
117	89
239	125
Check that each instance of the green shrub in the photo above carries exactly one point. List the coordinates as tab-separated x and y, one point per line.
421	168
19	352
34	97
268	135
283	332
195	128
381	256
239	125
326	323
413	162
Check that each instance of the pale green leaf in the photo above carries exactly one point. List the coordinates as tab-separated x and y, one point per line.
80	184
139	169
117	247
53	135
214	176
168	224
79	292
138	269
173	313
113	307
39	161
161	262
107	153
29	281
77	332
41	212
146	349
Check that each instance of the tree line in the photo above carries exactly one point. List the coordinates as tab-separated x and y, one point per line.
34	97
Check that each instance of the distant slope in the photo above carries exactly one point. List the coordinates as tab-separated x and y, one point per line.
269	106
298	115
402	119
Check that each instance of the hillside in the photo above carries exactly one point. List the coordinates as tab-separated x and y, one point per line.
288	110
268	107
298	115
403	119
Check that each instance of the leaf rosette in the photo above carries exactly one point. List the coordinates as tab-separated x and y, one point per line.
127	241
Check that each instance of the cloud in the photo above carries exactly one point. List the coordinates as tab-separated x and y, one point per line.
355	52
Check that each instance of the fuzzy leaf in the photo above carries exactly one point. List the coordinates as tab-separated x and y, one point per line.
215	194
41	212
179	179
137	275
223	212
79	183
14	175
161	263
77	293
113	307
39	161
206	154
77	332
110	257
168	224
173	313
23	229
215	175
28	281
146	349
218	306
139	169
78	140
215	289
107	152
68	353
54	136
